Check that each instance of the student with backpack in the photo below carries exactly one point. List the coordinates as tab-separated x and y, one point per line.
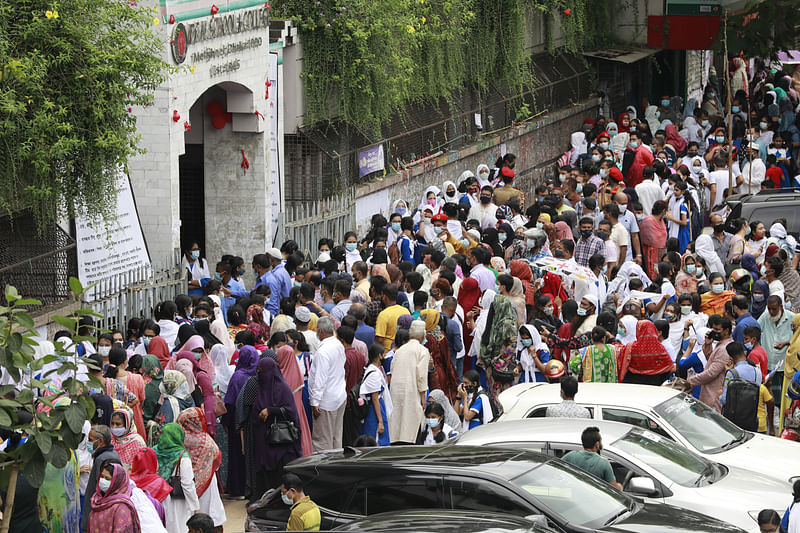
741	389
375	402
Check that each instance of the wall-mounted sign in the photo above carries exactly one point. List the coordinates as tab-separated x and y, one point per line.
178	43
194	9
371	160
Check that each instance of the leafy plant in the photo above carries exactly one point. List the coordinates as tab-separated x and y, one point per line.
69	73
59	408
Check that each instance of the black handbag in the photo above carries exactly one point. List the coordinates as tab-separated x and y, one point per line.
174	481
282	430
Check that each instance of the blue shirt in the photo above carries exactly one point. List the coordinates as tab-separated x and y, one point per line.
453	336
365	334
262	280
745	371
476	406
742	323
237	289
284	281
274	302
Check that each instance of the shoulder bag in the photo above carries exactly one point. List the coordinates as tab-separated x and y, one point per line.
174	481
282	430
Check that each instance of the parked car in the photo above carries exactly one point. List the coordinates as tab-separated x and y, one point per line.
647	465
669	413
768	206
351	484
445	521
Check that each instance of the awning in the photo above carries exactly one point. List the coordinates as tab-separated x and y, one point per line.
789	58
627	55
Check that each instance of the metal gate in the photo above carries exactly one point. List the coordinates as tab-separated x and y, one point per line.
308	222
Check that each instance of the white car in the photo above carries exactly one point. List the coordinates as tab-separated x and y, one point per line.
647	465
669	413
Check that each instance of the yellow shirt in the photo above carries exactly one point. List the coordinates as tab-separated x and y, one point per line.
304	517
386	325
763	397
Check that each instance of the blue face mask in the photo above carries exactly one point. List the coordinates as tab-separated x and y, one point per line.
90	447
432	422
395	226
217	276
664	103
748	346
502	237
437	230
526	342
351	246
719	139
735	109
401	211
579	188
633	144
286	499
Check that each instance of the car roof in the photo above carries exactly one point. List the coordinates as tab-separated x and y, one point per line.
442	520
622	394
495	461
542	429
786	195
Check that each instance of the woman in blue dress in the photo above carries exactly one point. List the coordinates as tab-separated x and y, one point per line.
678	217
375	391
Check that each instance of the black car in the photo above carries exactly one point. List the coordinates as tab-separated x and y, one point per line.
767	206
444	521
350	484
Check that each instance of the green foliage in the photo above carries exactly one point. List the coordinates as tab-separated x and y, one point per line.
365	60
69	71
762	29
52	434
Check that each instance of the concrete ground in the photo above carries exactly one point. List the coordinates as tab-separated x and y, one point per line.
235	512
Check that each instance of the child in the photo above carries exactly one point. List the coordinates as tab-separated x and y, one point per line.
755	352
532	355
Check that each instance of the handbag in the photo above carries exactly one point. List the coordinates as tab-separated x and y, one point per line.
505	375
282	430
174	481
219	405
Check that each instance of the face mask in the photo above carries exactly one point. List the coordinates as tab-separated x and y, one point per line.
539	225
395	226
118	432
714	336
351	246
717	288
90	446
633	144
485	200
719	228
603	172
104	350
242	272
633	129
579	188
612	133
704	123
146	340
527	342
582	311
103	484
465	243
690	269
699	272
548	311
735	109
484	176
664	103
604	269
432	202
669	317
758	297
602	235
437	230
195	254
286	499
596	158
559	254
217	276
603	145
531	243
748	346
562	178
197	355
696	169
502	237
296	284
639	217
763	125
586	233
622	208
720	139
686	309
432	422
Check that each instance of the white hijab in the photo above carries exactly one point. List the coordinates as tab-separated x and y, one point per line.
84	457
578	142
435	190
629	323
525	357
448	198
220	357
482	182
704	247
480	323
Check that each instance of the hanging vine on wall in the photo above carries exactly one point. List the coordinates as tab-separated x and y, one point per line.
365	60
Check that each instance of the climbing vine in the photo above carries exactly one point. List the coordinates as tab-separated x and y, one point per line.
365	60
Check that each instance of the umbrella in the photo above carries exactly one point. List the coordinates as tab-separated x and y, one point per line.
565	268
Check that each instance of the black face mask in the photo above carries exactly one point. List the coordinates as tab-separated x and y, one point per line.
485	200
714	335
719	228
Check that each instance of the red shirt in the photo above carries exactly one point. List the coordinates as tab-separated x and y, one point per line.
758	355
353	367
775	174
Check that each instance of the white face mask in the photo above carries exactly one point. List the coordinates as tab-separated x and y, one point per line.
104	350
118	432
103	484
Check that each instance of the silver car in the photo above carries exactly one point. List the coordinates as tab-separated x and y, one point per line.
647	465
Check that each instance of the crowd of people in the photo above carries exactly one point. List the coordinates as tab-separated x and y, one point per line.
409	333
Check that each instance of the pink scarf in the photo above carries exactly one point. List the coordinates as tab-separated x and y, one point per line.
113	510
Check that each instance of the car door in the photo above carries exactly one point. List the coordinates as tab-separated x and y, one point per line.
467	494
633	417
395	493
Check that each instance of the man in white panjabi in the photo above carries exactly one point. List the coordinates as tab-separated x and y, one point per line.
409	386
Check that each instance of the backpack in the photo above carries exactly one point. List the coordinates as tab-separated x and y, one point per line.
357	406
741	402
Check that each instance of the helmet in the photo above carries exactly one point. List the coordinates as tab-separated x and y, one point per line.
741	280
554	369
794	387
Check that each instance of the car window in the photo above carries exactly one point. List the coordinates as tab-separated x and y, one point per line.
703	427
768	213
473	495
396	493
540	447
633	418
333	499
674	461
541	411
559	448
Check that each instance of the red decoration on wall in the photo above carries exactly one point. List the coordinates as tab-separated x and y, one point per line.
568	11
268	84
175	116
219	117
172	19
214	10
259	115
245	163
266	5
187	126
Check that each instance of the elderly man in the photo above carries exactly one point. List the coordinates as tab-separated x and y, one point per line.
100	437
326	388
409	386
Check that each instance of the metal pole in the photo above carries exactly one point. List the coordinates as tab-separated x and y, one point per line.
728	102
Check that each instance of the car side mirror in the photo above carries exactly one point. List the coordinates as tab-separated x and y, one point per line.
643	486
537	519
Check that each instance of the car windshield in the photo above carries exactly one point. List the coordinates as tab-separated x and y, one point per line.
677	463
703	427
572	495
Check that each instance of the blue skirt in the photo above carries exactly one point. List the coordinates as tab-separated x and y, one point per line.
370	425
307	407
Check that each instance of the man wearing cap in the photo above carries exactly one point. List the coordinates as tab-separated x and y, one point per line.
302	317
753	173
278	280
505	193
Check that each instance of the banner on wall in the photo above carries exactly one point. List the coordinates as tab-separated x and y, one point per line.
275	159
371	160
106	251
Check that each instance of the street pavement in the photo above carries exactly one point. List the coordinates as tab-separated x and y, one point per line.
235	512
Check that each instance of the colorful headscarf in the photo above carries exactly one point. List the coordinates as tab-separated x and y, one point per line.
113	509
144	472
185	367
158	347
205	454
169	449
130	443
287	360
646	355
256	324
174	384
151	368
500	329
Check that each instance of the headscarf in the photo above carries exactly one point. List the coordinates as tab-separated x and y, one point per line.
673	138
490	237
520	269
144	472
500	329
451	418
273	393
620	283
205	363
481	182
704	247
404	321
224	371
130	443
629	323
578	142
443	285
622	127
563	231
287	361
651	116
185	332
394	273
107	506
174	384
506	228
517	293
653	233
435	190
749	263
184	366
205	454
151	368
450	199
498	264
158	347
203	328
646	355
758	308
220	331
525	357
431	318
469	294
380	270
245	369
256	324
426	277
84	457
169	449
793	350
485	304
402	211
